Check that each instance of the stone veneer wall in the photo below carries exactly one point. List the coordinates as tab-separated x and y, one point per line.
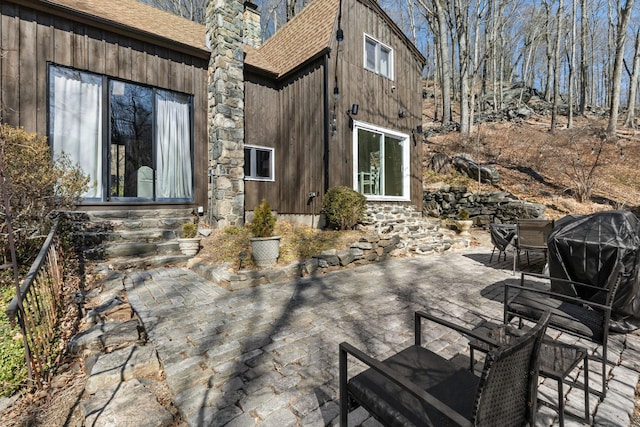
483	207
226	110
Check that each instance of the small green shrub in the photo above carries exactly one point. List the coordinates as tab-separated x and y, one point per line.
189	230
13	370
343	208
263	220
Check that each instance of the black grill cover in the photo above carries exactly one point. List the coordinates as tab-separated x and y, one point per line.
585	249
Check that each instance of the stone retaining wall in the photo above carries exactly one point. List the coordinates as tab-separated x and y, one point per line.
446	201
367	250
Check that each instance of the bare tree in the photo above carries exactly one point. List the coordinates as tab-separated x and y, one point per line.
630	121
191	9
572	63
435	15
621	36
556	66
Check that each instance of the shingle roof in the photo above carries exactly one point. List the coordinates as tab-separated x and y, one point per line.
302	38
305	36
139	16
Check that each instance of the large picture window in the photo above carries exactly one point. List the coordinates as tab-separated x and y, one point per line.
381	162
134	141
378	57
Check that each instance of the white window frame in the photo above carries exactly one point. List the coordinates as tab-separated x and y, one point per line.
406	166
252	165
379	47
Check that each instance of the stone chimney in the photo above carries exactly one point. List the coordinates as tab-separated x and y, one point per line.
224	25
252	34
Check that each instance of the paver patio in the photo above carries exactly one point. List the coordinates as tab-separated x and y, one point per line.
269	355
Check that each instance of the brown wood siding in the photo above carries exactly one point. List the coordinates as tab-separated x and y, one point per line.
291	120
30	40
379	103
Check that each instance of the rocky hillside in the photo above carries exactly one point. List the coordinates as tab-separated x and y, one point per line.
535	164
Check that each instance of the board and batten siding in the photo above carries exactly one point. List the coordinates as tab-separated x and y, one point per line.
30	40
291	120
378	97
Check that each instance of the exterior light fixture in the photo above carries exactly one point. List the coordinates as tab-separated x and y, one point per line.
354	110
339	35
336	94
401	112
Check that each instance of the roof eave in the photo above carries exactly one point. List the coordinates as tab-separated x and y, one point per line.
320	54
112	26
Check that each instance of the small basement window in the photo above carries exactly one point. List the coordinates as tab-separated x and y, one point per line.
378	57
258	163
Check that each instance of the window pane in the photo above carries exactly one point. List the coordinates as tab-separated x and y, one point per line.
76	121
131	137
393	166
369	167
384	62
247	162
263	164
370	54
173	148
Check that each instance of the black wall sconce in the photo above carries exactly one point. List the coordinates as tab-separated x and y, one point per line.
339	35
401	112
354	110
336	94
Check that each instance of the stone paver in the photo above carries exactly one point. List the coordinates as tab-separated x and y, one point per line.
269	355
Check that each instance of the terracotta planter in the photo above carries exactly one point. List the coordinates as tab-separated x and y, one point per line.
265	250
189	247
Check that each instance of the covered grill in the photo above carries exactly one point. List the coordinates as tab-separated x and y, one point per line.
586	248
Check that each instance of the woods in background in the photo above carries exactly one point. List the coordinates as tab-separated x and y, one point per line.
574	52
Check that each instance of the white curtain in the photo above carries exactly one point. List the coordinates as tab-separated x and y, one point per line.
76	126
173	161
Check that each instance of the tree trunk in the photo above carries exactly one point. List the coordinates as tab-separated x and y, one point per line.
556	67
621	35
630	121
584	71
572	64
549	77
461	21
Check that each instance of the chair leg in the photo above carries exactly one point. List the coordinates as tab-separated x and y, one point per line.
344	404
492	252
561	403
586	389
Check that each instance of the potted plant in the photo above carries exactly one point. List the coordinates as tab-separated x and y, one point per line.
265	247
189	242
464	223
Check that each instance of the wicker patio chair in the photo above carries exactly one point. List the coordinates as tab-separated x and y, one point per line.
502	236
572	313
417	387
531	235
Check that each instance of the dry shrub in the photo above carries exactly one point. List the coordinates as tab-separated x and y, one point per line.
37	186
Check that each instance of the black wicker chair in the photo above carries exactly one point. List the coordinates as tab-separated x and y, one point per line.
570	310
417	387
502	236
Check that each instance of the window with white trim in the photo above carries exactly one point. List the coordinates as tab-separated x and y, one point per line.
381	162
258	163
378	57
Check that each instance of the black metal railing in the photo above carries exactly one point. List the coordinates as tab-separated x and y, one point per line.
37	308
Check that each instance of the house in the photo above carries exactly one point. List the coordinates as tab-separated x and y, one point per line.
333	98
166	114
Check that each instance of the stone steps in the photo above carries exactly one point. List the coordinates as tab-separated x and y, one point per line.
128	237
